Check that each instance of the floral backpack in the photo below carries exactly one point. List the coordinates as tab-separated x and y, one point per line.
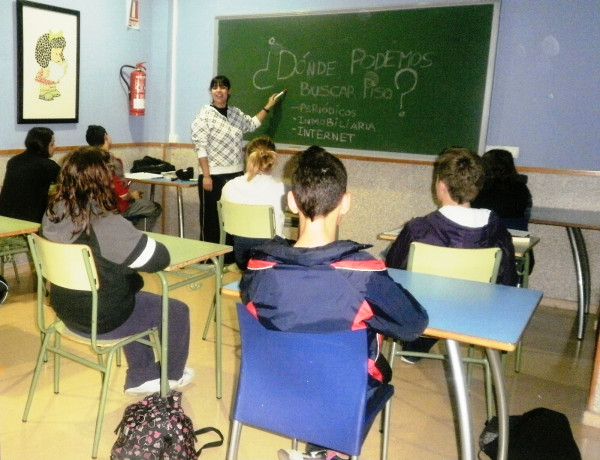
156	428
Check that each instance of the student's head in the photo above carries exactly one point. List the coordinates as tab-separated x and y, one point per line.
318	182
40	140
85	185
498	164
261	156
96	136
461	172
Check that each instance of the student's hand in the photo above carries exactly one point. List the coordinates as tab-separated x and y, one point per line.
207	183
135	194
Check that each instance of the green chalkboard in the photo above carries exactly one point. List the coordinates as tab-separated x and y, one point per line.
412	80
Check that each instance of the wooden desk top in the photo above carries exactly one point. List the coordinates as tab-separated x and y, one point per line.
13	227
565	217
483	314
185	251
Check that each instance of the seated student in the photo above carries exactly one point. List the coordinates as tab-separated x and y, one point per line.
256	186
29	176
457	178
504	191
83	210
323	285
130	203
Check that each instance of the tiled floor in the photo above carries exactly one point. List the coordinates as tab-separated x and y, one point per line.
556	373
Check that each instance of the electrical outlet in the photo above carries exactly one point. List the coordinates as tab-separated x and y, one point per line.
513	150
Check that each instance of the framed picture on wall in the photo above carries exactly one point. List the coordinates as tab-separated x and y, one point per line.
47	64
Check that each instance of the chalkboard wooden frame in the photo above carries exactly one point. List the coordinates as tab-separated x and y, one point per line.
359	83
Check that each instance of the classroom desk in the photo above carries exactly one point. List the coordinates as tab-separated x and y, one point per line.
185	252
488	315
15	227
573	220
157	179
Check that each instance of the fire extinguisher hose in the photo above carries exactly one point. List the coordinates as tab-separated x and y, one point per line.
124	79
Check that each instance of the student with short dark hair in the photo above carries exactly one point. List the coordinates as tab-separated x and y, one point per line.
323	285
130	203
457	179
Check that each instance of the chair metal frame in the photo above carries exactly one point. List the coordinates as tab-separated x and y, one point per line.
245	220
306	386
9	247
72	266
480	264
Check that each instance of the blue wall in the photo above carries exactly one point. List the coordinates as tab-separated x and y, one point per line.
545	99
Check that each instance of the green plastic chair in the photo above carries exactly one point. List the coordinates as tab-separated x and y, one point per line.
72	266
468	264
245	220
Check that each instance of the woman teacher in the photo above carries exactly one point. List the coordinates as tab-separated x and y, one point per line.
217	133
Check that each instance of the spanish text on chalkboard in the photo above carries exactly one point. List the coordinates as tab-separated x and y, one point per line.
411	80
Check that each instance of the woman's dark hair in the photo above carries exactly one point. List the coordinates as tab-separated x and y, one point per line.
498	164
220	80
38	140
85	186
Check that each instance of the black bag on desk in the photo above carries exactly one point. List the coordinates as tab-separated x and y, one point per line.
539	434
151	165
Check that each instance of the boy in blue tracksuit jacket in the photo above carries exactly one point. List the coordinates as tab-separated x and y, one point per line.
323	285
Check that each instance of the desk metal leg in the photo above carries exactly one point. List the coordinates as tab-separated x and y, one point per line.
580	260
180	210
164	339
218	337
462	400
585	267
501	402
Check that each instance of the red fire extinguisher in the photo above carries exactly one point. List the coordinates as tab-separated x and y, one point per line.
136	88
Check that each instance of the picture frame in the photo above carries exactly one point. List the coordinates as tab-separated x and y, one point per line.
47	64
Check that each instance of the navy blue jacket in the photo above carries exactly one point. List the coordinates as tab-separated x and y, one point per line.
330	288
438	230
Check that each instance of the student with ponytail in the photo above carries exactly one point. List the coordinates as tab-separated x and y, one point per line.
256	186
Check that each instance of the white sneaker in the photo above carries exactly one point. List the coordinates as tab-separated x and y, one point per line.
188	375
146	388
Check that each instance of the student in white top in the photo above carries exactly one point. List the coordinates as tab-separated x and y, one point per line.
256	186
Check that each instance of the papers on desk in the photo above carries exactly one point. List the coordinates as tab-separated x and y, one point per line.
143	175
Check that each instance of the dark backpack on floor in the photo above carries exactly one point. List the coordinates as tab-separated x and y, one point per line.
539	434
156	428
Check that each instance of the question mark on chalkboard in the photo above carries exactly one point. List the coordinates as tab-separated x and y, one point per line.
410	82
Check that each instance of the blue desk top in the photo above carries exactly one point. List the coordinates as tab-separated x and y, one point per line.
485	314
489	315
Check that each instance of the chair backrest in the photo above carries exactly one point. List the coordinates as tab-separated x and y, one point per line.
67	265
306	386
469	264
247	220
